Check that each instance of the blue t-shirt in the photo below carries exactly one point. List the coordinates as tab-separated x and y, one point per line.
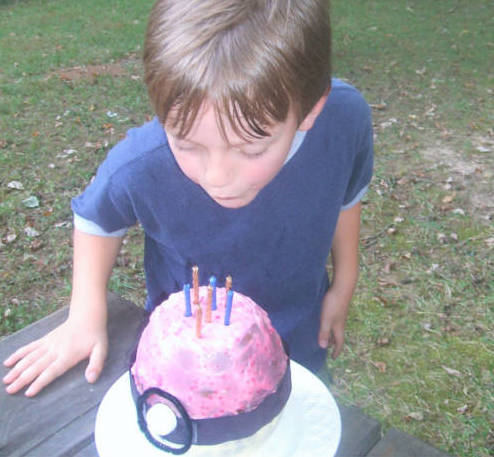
275	248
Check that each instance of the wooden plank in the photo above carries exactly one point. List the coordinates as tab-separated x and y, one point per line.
30	422
398	444
71	440
359	432
88	451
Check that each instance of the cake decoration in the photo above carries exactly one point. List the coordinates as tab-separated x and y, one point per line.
222	369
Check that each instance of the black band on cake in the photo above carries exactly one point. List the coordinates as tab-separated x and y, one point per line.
226	428
187	431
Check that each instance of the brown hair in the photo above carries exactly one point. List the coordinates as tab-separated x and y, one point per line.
252	59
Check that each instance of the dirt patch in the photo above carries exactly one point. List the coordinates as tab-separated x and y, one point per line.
473	170
90	72
122	68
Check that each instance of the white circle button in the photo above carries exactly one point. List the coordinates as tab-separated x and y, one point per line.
161	420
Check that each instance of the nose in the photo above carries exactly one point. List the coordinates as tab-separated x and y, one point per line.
219	170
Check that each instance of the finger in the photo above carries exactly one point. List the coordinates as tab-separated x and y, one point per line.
338	343
12	359
323	339
28	374
96	362
53	371
22	365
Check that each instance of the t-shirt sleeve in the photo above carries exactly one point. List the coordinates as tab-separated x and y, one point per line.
91	228
106	200
361	174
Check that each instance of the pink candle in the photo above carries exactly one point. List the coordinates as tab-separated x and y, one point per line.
198	321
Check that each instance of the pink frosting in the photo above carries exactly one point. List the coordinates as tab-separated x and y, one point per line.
228	370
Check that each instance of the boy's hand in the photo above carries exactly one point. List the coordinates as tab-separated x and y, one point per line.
344	256
43	360
334	312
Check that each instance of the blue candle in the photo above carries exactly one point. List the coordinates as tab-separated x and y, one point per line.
212	282
228	310
188	311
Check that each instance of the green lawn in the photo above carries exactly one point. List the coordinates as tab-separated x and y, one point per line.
419	347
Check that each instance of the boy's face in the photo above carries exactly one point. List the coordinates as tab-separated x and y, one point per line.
232	170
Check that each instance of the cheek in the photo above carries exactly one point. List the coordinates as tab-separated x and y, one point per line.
260	174
189	167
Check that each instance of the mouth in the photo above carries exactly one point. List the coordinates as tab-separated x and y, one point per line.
225	198
229	202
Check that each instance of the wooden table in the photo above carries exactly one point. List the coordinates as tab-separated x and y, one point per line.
60	420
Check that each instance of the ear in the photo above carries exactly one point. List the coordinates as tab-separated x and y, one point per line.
309	120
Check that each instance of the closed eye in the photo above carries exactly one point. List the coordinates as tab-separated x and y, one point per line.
253	153
186	147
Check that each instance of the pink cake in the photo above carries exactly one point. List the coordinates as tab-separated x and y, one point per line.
228	370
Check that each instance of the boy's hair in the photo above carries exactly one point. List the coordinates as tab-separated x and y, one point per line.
251	59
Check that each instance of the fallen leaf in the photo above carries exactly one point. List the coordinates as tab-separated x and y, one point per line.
64	224
36	245
462	409
418	416
10	238
386	282
31	202
379	106
448	198
15	185
383	341
381	300
441	237
451	371
31	232
388	123
427	326
388	267
381	366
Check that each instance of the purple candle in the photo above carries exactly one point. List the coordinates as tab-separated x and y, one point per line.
228	310
188	311
212	282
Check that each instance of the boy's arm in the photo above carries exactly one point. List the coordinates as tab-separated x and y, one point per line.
83	334
344	255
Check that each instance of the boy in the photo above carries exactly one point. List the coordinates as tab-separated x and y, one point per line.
254	167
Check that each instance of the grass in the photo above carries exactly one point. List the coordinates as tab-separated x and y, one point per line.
419	344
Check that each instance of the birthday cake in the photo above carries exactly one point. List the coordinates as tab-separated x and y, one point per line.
213	358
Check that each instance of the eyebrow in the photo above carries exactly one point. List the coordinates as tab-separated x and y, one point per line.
263	139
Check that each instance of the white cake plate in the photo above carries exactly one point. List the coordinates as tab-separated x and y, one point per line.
309	424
